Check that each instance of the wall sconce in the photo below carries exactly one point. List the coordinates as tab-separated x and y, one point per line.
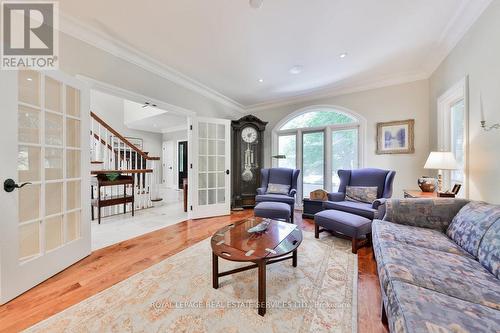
489	127
483	121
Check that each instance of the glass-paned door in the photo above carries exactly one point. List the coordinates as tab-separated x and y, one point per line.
345	154
210	159
43	229
287	151
313	162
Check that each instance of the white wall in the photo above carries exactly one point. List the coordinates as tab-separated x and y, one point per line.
478	56
111	110
400	102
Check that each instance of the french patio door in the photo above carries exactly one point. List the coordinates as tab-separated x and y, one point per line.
209	179
45	176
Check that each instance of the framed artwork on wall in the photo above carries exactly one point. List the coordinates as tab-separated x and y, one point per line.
396	137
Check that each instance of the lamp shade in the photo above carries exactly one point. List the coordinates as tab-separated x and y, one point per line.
441	160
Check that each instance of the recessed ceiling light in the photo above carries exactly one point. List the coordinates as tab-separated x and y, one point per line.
342	55
296	69
256	3
29	79
261	80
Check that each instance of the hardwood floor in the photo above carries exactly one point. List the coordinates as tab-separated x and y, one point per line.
108	266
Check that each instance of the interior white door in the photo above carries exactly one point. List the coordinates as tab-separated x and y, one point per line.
209	158
169	163
45	224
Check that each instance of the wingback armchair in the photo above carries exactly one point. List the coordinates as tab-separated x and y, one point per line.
282	176
382	179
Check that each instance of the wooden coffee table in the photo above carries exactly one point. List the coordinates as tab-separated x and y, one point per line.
235	243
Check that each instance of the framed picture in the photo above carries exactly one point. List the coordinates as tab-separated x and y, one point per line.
396	137
118	144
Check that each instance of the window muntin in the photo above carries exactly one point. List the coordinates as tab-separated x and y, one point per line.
318	118
313	162
287	146
345	153
457	133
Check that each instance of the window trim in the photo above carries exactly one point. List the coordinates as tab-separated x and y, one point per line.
360	124
458	91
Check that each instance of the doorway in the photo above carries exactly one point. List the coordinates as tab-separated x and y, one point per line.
182	158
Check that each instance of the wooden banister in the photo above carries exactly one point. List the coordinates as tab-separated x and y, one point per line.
119	136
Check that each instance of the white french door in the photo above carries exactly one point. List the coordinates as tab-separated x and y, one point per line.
45	225
209	159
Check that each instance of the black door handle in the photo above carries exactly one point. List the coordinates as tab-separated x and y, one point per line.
10	185
227	172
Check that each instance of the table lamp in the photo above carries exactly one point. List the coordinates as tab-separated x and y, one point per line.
441	160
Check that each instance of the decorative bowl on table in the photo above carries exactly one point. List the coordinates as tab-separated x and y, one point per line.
112	176
427	184
261	227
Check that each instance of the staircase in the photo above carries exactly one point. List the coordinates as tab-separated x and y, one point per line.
111	152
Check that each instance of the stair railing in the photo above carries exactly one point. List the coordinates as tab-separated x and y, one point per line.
112	152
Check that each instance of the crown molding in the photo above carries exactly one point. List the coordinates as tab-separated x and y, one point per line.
75	28
466	15
341	89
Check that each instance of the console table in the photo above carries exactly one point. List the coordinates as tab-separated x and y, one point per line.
99	202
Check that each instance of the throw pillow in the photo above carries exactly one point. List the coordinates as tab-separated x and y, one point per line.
278	188
367	194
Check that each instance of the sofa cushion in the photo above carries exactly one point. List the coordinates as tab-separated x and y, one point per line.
489	250
358	208
422	237
275	198
414	309
424	213
471	223
458	276
366	194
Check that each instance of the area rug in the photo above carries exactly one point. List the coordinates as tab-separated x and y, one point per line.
176	295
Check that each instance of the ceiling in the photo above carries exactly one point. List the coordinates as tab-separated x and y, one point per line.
225	46
151	119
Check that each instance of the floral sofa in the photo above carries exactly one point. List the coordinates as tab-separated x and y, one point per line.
438	263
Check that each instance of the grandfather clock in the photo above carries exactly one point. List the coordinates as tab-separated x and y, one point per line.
248	159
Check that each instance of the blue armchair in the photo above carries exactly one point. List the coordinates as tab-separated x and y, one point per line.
278	176
382	179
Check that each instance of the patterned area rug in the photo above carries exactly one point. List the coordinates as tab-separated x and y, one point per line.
176	295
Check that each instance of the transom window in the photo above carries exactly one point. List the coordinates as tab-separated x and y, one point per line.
319	141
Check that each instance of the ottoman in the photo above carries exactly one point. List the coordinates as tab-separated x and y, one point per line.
273	210
356	227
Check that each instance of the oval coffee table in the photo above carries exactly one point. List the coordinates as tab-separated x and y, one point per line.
235	243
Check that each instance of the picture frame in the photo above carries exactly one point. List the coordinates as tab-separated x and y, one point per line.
456	188
137	142
396	137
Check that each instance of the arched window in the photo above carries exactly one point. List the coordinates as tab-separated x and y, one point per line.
319	141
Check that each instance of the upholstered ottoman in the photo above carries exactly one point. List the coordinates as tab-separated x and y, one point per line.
356	227
273	210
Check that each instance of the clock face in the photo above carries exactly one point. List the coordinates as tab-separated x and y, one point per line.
249	134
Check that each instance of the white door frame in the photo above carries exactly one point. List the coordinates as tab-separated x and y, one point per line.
458	91
169	180
194	209
17	277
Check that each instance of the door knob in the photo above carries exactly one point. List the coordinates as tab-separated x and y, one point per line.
10	185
